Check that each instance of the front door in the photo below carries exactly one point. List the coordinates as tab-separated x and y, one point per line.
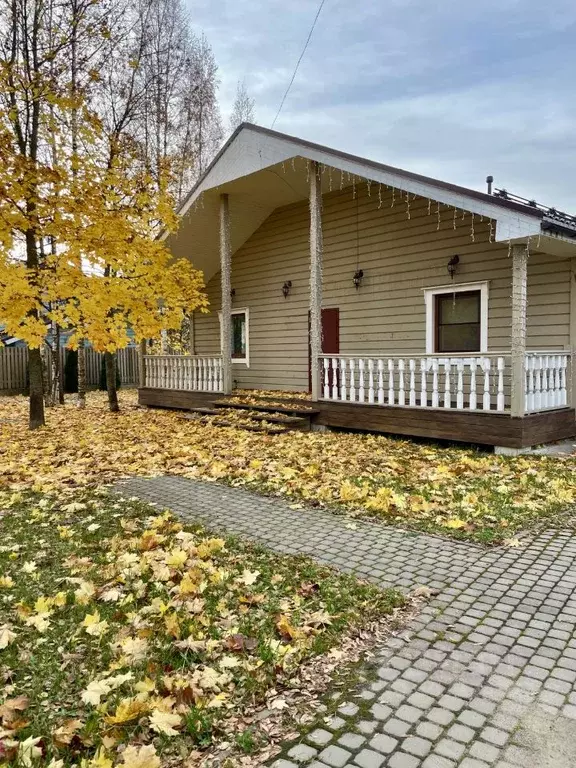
330	336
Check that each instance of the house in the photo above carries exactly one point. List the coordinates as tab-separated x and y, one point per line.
406	305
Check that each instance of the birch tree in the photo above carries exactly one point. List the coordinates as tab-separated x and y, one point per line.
243	107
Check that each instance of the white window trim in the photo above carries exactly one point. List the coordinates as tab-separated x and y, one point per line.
246	359
429	298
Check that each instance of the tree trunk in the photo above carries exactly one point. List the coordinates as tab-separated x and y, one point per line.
36	389
81	374
58	367
110	361
47	378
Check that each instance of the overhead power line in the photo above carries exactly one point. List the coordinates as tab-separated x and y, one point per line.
298	62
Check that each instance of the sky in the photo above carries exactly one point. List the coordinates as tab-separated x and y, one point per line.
453	89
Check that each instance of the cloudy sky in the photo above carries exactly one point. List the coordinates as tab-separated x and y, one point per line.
453	89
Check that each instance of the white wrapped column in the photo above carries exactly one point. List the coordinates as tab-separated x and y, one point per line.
518	335
226	308
315	275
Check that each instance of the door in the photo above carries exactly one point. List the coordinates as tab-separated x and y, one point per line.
330	337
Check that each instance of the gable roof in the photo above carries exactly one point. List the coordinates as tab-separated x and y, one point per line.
257	169
301	145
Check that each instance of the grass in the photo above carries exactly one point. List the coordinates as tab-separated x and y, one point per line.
120	627
449	490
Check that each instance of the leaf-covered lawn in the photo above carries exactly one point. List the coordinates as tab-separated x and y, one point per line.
127	638
450	490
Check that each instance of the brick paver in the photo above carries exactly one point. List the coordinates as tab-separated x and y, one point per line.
483	678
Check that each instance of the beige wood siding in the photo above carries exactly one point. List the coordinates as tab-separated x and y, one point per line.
400	257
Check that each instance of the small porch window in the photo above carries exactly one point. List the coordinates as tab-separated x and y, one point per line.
240	335
457	319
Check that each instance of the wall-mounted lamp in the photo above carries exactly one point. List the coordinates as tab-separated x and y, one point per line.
452	264
286	288
358	275
232	293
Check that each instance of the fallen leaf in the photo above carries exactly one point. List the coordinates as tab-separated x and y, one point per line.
165	722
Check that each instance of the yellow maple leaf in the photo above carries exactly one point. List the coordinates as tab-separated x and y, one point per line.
140	757
93	625
172	624
100	760
28	751
454	522
249	577
135	649
7	636
177	558
127	710
39	622
165	722
85	592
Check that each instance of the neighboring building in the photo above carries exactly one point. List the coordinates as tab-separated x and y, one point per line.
7	340
425	328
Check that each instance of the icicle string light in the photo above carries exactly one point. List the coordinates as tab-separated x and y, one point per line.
429	206
491	232
408	205
368	185
472	233
393	197
438	216
454	218
379	196
330	178
341	178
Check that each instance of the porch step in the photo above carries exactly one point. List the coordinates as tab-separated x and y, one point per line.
284	408
246	418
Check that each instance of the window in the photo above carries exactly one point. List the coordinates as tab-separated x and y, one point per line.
458	322
240	335
457	318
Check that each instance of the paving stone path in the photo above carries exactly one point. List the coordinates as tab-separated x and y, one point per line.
484	677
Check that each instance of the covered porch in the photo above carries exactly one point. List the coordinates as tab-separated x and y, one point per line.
512	394
466	399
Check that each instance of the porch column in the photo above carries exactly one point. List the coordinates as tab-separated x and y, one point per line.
572	362
142	364
191	334
518	336
315	275
226	308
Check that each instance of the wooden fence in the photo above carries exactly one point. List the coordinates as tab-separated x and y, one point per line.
14	364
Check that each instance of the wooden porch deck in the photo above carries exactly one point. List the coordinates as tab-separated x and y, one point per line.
482	428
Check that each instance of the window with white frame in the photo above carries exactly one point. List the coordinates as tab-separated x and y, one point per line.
240	322
457	318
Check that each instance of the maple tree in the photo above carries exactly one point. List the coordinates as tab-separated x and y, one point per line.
80	208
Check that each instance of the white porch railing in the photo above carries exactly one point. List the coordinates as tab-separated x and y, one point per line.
546	380
427	381
198	373
480	382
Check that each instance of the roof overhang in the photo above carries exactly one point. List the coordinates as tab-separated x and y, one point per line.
262	170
